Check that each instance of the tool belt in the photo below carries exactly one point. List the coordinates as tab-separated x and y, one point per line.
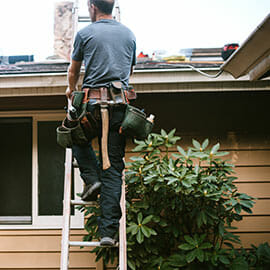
80	126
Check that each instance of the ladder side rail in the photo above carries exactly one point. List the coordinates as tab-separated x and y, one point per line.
66	211
75	20
122	229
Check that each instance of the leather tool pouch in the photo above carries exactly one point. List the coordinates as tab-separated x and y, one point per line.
90	125
135	123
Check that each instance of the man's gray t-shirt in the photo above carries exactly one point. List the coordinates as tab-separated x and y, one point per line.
108	49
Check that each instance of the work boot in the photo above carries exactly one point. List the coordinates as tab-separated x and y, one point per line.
107	241
90	192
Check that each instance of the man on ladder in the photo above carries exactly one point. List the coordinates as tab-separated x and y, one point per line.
108	50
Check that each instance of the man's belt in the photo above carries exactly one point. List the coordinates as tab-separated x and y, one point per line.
94	93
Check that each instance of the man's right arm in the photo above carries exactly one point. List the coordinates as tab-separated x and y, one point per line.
73	77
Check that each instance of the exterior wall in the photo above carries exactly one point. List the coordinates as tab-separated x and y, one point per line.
41	249
250	149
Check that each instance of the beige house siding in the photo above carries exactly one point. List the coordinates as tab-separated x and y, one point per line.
40	249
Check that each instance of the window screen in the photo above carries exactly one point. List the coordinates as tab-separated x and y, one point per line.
15	170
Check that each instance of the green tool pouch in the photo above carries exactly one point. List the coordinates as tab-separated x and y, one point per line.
78	136
135	123
66	137
77	99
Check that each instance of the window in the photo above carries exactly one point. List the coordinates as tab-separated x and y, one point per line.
32	173
16	170
50	181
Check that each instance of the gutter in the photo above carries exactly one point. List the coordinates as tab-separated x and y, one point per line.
252	56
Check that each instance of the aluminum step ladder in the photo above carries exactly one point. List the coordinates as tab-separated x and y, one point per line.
67	203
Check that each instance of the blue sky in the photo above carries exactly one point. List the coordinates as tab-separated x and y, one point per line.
26	27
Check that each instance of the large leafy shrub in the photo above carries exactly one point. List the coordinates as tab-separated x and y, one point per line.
180	207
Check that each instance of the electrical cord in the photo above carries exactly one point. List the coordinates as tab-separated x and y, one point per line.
198	70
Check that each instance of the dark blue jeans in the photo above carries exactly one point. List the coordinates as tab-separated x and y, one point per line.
111	179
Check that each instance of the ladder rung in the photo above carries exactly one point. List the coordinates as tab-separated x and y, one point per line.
88	244
80	202
84	19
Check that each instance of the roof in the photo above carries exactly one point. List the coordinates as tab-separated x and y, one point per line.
253	57
34	67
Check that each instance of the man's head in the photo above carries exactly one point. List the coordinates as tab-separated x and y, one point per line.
103	7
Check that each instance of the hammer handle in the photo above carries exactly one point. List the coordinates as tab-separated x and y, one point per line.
104	139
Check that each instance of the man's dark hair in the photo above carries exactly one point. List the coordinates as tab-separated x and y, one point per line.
105	6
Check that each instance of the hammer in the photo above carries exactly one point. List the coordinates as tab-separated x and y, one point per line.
105	128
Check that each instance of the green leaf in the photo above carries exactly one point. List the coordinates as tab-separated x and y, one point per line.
247	204
157	186
191	256
200	255
205	143
163	223
244	196
186	246
136	158
199	220
139	237
221	228
206	245
215	148
171	133
224	259
186	183
177	260
132	228
147	219
190	240
138	148
196	169
146	231
200	155
146	168
233	202
239	264
204	218
238	208
131	265
221	154
135	230
248	210
196	144
163	133
181	151
139	218
153	232
171	179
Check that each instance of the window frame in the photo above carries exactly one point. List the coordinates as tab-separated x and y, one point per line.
44	222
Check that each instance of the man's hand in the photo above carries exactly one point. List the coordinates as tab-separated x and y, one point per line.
69	92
